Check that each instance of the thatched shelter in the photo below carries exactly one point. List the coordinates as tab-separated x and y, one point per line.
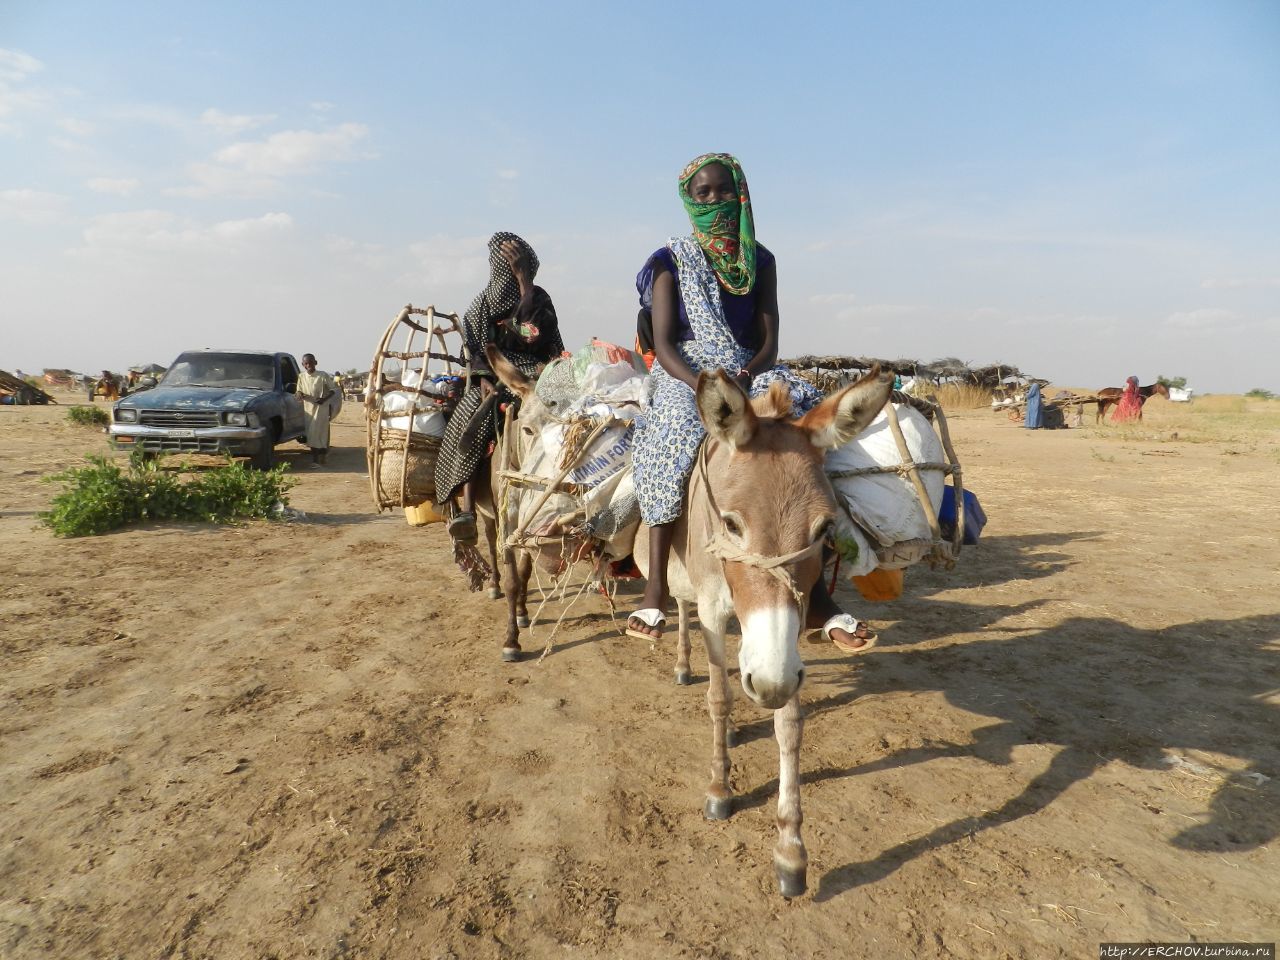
15	390
828	373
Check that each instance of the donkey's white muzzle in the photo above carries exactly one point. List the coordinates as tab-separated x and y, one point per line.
769	658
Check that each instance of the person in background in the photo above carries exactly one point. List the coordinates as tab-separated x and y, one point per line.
315	390
1035	408
1130	405
518	318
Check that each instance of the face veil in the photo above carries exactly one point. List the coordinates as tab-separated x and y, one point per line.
725	230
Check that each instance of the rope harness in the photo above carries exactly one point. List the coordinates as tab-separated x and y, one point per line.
778	567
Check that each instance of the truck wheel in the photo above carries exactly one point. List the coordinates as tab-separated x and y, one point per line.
265	458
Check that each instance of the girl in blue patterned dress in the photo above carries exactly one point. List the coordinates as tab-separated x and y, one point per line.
713	300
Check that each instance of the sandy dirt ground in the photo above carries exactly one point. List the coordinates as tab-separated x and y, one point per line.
296	740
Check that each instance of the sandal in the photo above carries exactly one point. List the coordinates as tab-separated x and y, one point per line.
462	527
652	618
850	624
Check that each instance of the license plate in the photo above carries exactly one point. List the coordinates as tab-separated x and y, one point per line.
181	434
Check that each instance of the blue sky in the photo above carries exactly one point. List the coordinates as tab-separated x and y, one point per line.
1084	190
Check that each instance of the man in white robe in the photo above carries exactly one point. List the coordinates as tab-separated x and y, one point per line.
316	389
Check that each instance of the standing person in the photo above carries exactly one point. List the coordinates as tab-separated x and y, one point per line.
315	390
520	319
1035	408
1130	405
713	299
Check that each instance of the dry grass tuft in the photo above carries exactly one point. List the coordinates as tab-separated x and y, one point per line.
1221	418
962	396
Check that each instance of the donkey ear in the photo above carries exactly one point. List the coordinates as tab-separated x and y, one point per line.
724	408
508	372
844	415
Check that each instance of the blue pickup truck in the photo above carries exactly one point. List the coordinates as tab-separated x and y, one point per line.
238	402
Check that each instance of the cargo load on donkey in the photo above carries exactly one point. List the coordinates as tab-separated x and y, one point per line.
406	407
565	489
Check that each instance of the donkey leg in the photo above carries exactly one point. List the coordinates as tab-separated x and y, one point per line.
511	645
491	537
790	859
683	677
719	803
524	570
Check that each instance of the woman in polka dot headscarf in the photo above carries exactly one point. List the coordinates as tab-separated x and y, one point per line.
520	319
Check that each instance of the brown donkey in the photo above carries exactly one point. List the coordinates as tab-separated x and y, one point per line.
520	448
749	542
1108	397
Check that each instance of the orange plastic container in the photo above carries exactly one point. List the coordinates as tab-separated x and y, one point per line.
422	515
880	584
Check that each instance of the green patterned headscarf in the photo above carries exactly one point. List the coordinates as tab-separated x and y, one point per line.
725	230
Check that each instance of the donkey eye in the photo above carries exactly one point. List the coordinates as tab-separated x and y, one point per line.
527	430
732	525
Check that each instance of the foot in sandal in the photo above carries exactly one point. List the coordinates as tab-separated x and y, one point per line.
646	624
849	634
462	527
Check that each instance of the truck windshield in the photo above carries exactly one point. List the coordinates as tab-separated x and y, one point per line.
222	370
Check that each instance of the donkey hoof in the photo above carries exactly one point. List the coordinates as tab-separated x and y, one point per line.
791	882
495	593
684	678
718	808
522	622
510	654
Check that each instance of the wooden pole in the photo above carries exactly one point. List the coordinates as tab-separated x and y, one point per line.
554	484
931	514
373	432
957	483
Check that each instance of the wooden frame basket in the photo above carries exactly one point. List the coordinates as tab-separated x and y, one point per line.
402	462
937	550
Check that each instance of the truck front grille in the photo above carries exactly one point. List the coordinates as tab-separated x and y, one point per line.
177	420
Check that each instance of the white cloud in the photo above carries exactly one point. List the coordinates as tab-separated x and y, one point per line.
153	113
17	66
120	187
444	261
211	179
293	151
1206	318
234	123
508	174
864	313
266	224
31	206
321	106
1239	283
827	299
77	127
143	231
68	145
256	167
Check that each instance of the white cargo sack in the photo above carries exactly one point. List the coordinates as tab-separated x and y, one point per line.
879	510
430	424
607	456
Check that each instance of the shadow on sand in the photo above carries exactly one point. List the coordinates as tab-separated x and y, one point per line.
1102	690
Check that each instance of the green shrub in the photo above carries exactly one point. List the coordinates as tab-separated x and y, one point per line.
89	416
102	496
1259	393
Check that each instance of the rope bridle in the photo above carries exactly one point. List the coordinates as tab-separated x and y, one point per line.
779	567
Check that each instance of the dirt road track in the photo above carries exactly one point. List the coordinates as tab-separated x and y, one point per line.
297	740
